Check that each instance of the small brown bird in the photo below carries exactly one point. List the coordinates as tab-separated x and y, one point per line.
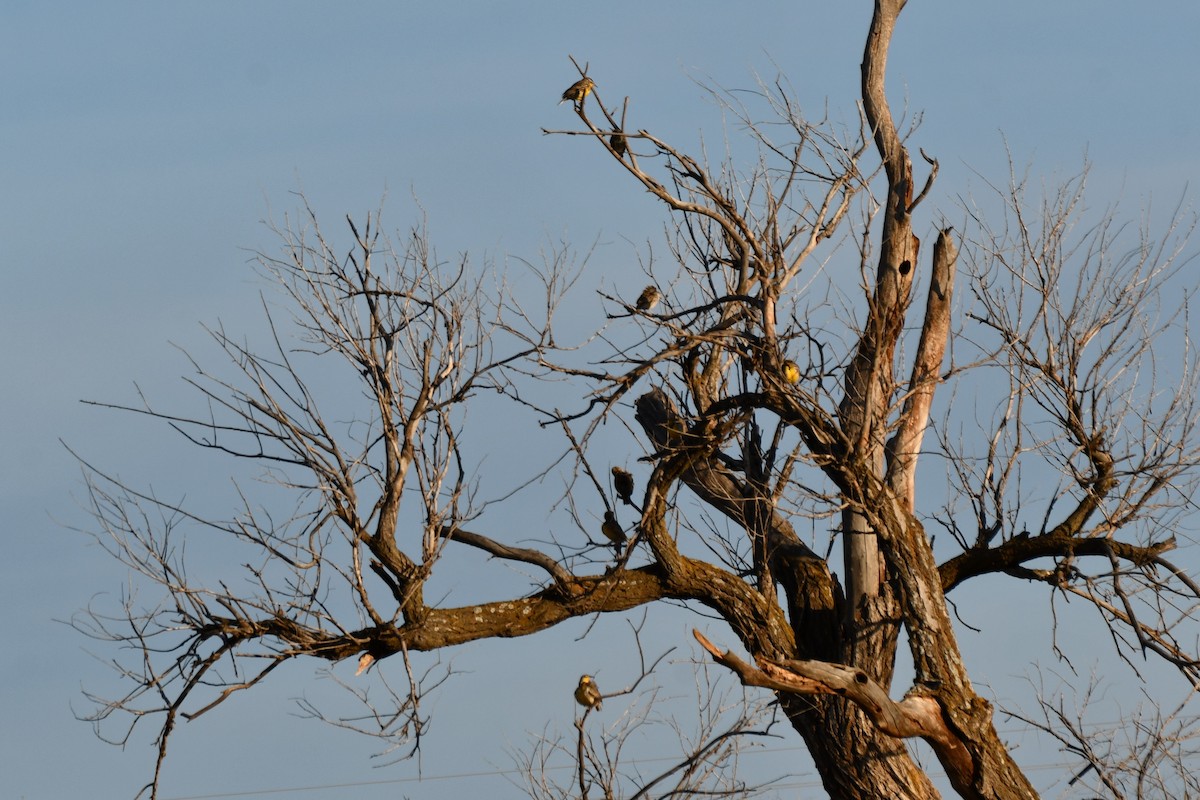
791	372
364	663
586	693
617	143
623	483
577	91
649	298
612	529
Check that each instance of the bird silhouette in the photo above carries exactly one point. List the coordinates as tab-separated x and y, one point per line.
617	143
623	483
612	529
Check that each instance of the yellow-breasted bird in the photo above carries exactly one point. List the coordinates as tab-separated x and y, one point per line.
623	483
649	298
612	529
577	91
586	693
617	143
791	372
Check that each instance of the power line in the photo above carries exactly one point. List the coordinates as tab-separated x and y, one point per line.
349	785
448	777
1014	727
495	773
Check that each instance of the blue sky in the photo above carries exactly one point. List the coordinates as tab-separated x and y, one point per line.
145	143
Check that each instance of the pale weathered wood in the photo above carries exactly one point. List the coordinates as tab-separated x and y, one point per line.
905	446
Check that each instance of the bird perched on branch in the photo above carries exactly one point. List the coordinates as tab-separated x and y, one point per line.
577	91
617	143
623	483
791	372
612	529
586	693
649	298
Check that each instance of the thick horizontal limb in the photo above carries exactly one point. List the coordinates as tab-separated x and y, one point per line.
1015	552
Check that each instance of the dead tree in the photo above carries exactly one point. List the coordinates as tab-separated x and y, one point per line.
784	373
